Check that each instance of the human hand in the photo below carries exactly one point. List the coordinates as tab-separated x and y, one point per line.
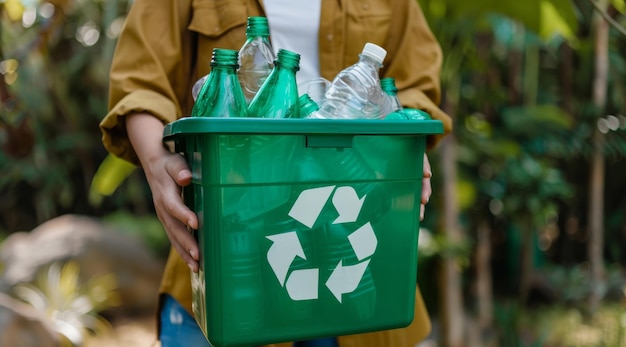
166	173
166	176
426	187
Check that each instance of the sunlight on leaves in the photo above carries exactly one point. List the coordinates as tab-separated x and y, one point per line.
553	23
71	306
14	9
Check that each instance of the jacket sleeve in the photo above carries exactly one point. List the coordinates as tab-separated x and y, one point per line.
414	61
150	69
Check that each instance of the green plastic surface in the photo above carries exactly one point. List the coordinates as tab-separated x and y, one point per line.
189	126
300	241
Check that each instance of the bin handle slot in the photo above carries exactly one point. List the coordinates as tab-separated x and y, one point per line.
329	141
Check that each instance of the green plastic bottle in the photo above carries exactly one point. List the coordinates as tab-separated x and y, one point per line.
278	96
256	57
308	107
221	95
388	85
415	114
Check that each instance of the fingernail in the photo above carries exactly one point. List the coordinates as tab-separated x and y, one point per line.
193	254
192	268
184	174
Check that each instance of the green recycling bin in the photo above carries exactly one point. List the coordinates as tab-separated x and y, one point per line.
308	227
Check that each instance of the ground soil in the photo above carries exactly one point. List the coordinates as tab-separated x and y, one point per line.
136	331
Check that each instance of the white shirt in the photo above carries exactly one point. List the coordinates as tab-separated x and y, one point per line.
294	26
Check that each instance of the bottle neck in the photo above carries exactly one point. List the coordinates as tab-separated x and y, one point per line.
388	85
363	58
225	59
307	105
257	27
287	60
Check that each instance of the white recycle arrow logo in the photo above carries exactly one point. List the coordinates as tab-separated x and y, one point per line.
303	284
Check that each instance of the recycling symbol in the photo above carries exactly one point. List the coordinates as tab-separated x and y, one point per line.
303	284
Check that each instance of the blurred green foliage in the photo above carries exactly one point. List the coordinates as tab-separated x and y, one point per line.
54	59
519	76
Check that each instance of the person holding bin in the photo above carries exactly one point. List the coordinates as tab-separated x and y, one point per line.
166	46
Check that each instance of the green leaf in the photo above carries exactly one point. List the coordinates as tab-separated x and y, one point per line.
547	18
110	175
557	19
536	119
619	5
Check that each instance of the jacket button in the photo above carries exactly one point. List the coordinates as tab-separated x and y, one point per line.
366	6
329	37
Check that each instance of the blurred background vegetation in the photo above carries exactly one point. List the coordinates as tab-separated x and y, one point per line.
523	243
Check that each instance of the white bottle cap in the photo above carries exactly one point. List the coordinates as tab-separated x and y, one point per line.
375	52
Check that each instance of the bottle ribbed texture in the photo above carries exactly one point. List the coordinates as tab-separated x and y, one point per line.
221	94
388	85
356	92
308	107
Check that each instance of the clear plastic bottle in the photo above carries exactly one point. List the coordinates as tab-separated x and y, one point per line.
221	94
315	88
278	96
256	57
195	90
356	92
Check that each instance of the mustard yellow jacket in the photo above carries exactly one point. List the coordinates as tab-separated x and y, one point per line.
166	46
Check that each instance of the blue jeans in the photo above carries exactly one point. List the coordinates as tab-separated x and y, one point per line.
179	328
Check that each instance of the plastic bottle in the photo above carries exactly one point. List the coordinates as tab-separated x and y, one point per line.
256	57
221	94
278	96
316	88
355	92
388	85
415	114
308	107
195	90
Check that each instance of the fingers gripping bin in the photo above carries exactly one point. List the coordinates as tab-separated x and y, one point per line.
308	227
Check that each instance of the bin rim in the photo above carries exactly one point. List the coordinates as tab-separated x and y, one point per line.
296	126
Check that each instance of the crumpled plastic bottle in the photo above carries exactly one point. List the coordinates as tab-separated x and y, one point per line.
256	57
356	92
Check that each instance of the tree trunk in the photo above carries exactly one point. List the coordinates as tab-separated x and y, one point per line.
526	263
451	292
597	169
484	292
451	282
